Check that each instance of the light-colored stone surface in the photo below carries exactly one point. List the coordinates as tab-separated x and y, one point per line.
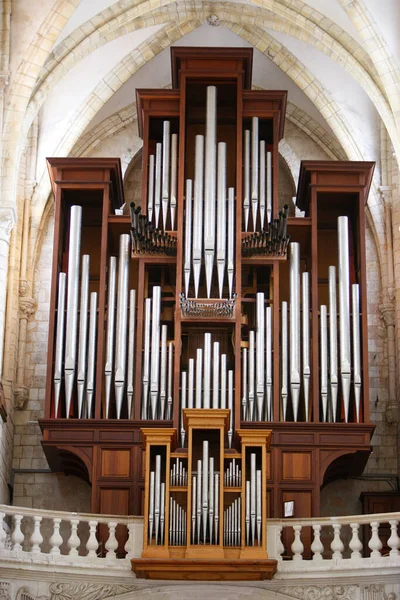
38	59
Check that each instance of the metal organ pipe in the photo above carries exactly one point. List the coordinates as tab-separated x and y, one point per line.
170	375
83	329
72	303
110	331
324	361
260	354
269	186
251	415
157	185
122	321
244	384
284	358
355	296
188	234
231	238
165	171
221	216
215	375
62	278
155	350
254	170
333	356
268	363
207	370
306	341
295	326
344	311
174	176
163	376
146	358
198	211
246	194
262	184
150	195
91	374
131	349
209	184
183	406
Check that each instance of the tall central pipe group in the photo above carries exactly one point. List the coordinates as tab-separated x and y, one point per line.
213	205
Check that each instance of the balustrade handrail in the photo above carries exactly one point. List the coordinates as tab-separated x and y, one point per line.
125	520
48	514
341	520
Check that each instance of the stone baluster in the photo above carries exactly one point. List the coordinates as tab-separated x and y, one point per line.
337	545
134	543
17	536
297	546
375	544
394	540
73	540
275	548
36	537
111	544
317	546
3	535
355	542
92	544
56	540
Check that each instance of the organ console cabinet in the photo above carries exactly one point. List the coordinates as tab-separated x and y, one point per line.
208	296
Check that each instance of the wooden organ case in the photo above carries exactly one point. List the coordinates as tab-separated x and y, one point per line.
209	296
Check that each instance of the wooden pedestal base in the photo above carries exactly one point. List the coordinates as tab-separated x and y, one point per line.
204	569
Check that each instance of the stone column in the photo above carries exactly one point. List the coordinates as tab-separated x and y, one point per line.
27	308
387	309
7	221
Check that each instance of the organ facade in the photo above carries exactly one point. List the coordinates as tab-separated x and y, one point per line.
208	299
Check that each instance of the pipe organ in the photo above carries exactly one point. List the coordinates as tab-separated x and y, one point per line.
208	297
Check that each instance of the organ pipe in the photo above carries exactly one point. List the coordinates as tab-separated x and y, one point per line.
110	331
72	303
355	294
121	322
306	342
295	327
83	329
59	341
209	184
254	170
91	374
188	235
344	311
165	171
198	211
174	177
260	354
246	194
131	350
333	356
324	361
221	216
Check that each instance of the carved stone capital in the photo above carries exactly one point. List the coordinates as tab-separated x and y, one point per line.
4	80
213	21
386	193
21	395
388	314
7	222
27	307
23	286
392	413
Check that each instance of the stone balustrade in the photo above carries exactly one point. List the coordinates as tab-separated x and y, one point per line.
307	545
61	537
353	542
